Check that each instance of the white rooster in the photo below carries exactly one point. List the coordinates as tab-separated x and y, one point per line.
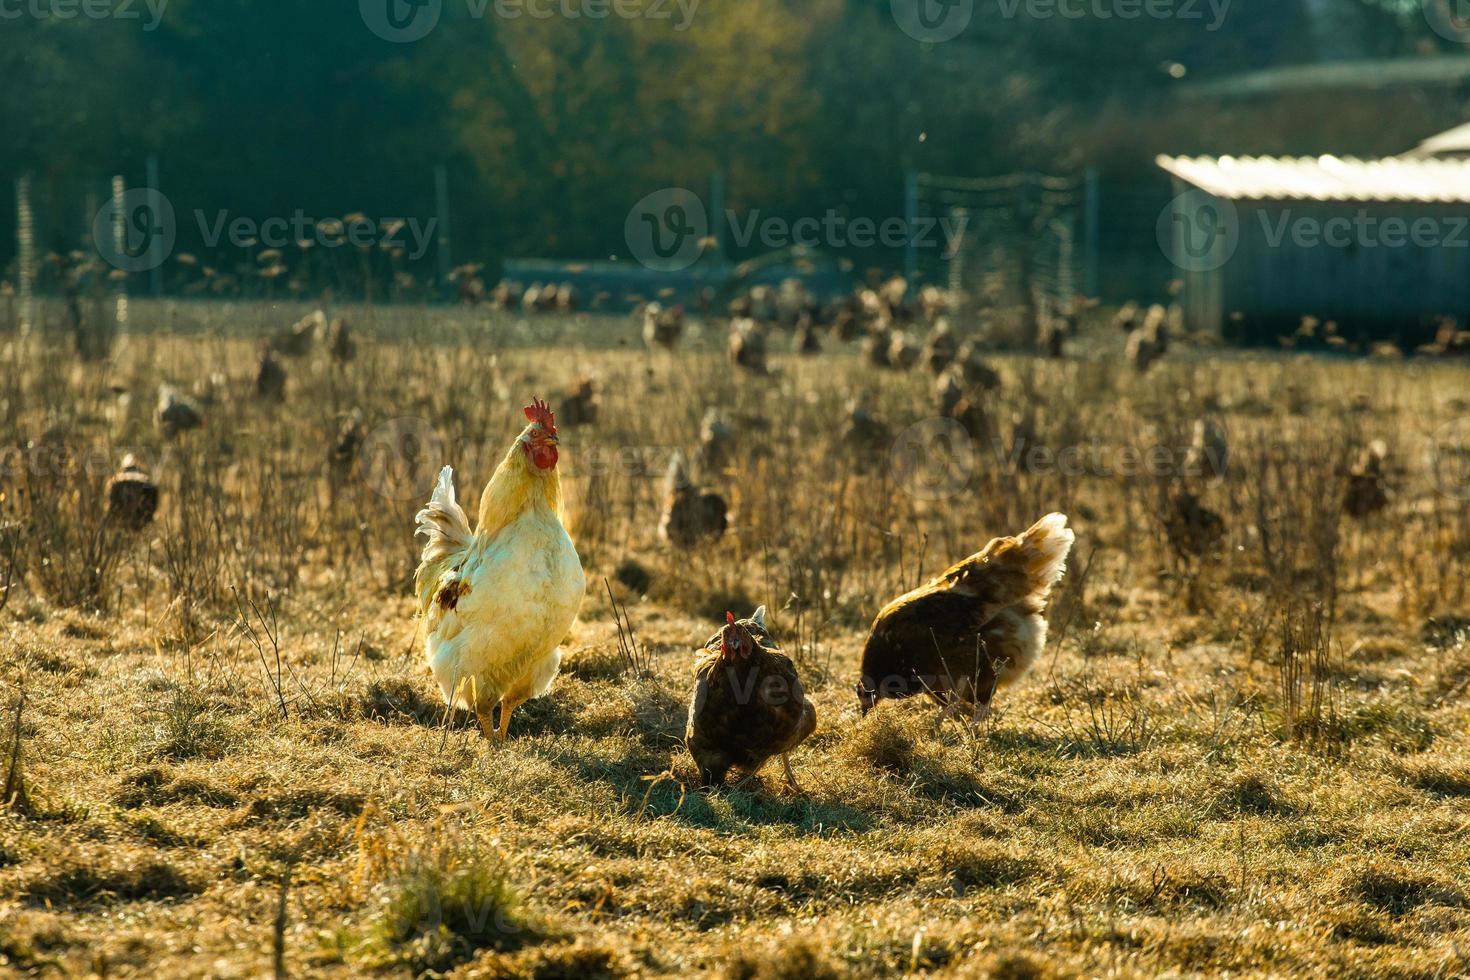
497	601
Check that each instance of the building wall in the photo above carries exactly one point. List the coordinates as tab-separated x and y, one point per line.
1370	275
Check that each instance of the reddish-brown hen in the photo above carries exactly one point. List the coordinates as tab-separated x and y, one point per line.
748	703
975	628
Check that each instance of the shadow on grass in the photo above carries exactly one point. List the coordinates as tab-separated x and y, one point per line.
651	790
1062	746
78	884
404	702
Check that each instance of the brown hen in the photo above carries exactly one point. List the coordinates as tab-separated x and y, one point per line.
974	628
748	704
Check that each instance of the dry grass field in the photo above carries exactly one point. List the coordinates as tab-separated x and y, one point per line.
223	754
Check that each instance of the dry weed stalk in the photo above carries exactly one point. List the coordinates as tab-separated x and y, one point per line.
14	796
633	657
1309	702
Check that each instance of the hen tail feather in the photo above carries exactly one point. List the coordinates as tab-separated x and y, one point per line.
1018	569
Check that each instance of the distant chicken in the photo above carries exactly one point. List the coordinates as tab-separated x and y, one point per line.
847	322
132	496
340	344
504	296
1128	318
903	353
762	304
297	340
940	347
270	377
211	389
1052	337
933	302
343	455
1367	491
865	435
498	601
877	344
805	341
567	300
1209	450
748	704
1026	453
1157	324
690	516
959	401
1194	531
716	442
872	310
748	345
789	299
531	298
580	406
1449	340
1143	350
662	327
976	627
469	287
176	413
974	369
894	294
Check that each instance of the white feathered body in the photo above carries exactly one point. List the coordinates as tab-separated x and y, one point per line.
498	602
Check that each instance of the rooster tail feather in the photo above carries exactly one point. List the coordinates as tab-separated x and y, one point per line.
443	523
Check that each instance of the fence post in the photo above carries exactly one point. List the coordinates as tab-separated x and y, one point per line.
25	241
120	247
441	207
717	211
155	242
1091	231
960	220
911	219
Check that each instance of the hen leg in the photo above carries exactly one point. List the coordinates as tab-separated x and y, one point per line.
790	776
745	778
954	702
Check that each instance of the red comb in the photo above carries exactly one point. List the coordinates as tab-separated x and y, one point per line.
538	411
729	616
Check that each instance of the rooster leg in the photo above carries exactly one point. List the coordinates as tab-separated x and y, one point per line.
981	712
486	717
506	707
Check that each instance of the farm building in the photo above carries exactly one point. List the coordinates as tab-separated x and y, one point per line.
1381	247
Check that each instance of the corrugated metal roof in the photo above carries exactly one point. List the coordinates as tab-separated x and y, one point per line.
1455	140
1356	75
1325	178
